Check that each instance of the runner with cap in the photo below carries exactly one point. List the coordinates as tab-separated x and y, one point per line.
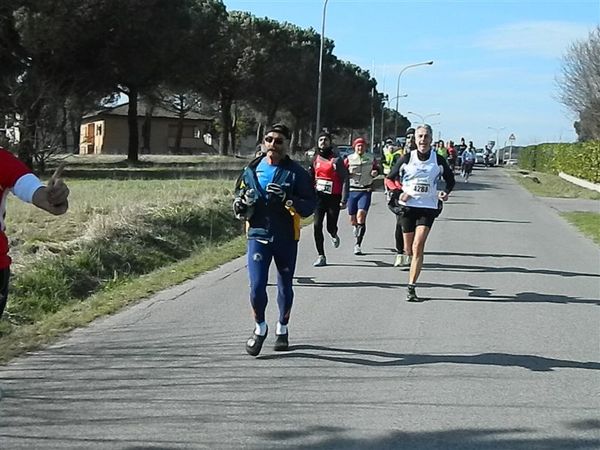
271	194
362	169
330	178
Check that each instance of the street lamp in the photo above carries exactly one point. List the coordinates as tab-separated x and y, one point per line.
423	117
498	155
427	63
318	125
386	99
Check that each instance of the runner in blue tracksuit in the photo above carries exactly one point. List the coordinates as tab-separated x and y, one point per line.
272	194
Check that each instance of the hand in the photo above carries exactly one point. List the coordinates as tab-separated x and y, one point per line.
276	192
342	205
405	197
443	196
54	196
239	208
248	197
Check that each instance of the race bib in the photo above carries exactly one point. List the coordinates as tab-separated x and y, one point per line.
325	186
421	186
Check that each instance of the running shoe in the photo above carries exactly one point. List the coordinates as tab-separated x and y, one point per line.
399	261
357	250
254	343
281	343
406	260
321	261
335	240
411	295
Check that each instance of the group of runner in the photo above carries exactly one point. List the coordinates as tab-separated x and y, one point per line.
274	192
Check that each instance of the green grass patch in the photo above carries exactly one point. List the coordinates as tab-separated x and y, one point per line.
587	222
114	232
112	298
549	185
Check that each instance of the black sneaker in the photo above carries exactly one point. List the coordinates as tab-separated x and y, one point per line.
254	343
281	343
411	295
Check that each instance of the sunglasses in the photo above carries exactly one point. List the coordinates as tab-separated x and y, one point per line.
277	141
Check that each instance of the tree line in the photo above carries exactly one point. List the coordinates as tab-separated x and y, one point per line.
62	58
579	85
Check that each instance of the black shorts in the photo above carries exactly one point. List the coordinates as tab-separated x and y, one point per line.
411	218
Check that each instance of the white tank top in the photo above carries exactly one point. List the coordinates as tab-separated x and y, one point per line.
419	180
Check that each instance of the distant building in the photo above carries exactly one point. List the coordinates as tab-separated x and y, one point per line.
107	132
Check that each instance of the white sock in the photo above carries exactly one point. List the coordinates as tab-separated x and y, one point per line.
281	329
261	328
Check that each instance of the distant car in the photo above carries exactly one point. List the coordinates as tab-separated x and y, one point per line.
479	157
344	150
511	162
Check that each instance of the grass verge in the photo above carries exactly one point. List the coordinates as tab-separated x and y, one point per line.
549	185
115	297
587	222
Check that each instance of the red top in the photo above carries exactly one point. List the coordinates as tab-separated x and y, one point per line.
325	169
11	169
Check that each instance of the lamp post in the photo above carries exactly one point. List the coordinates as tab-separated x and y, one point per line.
498	155
319	88
386	99
427	63
423	117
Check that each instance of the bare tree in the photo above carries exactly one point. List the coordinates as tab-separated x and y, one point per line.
580	84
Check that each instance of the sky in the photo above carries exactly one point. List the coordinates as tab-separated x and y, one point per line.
496	63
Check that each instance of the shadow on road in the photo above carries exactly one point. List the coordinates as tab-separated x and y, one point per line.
507	269
531	362
457	439
480	255
454	219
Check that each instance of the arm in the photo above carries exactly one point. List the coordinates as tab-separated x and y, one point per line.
342	170
395	171
447	175
303	196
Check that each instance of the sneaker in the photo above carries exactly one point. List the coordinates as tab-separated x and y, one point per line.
406	260
254	343
399	261
411	295
321	261
357	250
335	240
281	343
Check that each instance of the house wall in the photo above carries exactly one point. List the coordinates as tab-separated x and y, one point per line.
114	136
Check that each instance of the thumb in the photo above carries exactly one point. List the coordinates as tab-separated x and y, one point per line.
57	174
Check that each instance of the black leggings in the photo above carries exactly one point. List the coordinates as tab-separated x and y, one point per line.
327	206
399	236
4	276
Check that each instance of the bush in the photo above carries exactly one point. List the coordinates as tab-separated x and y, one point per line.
581	160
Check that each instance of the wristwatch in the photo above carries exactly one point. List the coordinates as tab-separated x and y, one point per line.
289	203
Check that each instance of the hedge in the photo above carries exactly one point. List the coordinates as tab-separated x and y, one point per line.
581	160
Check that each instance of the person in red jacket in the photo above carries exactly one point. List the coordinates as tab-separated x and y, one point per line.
330	178
16	177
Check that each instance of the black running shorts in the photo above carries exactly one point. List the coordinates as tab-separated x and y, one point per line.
411	218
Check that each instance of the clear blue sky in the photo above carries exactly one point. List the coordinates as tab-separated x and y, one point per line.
495	62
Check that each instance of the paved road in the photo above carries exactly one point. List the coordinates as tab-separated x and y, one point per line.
504	355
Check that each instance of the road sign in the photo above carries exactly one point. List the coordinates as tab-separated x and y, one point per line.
511	137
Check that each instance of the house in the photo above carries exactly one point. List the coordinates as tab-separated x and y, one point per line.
107	132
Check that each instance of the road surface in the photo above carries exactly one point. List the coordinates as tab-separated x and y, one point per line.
504	354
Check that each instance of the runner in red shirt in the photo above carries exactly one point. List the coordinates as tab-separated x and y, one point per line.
16	177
